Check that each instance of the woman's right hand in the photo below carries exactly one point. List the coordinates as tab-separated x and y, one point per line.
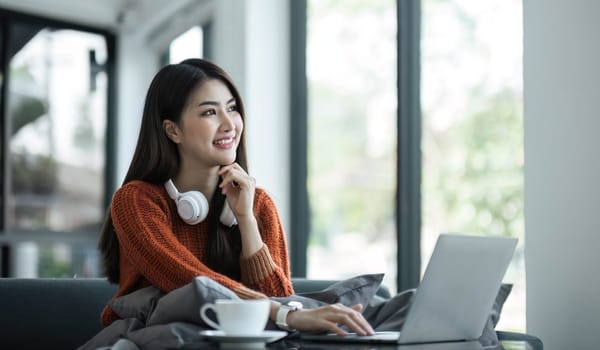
330	318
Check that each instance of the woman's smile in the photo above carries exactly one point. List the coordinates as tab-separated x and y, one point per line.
225	143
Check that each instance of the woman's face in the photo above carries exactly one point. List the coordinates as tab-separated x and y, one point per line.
211	126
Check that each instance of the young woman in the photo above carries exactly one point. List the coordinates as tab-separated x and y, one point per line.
188	207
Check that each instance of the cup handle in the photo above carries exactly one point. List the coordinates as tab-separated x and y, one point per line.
205	318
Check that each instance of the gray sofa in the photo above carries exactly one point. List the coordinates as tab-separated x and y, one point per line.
52	313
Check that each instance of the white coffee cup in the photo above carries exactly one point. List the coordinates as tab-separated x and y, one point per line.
238	317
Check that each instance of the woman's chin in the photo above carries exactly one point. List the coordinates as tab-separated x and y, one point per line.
227	161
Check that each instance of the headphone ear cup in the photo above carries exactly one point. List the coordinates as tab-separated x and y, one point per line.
192	207
227	218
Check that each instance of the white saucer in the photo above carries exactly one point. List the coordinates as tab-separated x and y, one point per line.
243	341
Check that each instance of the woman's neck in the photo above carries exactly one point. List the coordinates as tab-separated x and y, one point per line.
197	179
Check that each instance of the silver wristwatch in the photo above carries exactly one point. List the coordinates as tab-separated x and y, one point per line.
282	313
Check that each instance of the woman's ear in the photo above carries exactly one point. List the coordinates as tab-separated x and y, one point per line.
171	130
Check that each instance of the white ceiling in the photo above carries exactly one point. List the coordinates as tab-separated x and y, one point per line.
114	15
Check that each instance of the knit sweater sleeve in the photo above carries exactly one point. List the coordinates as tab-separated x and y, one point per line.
140	217
268	269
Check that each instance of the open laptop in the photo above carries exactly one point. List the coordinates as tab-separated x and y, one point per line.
455	297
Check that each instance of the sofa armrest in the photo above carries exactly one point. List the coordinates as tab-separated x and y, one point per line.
57	313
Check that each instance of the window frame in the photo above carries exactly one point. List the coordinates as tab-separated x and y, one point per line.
408	171
300	213
110	148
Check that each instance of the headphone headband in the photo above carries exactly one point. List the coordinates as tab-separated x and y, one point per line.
171	190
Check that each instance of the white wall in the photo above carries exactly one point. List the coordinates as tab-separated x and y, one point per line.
136	65
268	97
562	171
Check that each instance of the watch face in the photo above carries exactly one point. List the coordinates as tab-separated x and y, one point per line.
295	304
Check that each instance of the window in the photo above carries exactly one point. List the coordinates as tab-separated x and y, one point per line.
351	159
54	146
187	45
459	122
472	124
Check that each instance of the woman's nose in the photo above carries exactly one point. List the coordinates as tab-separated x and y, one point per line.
227	123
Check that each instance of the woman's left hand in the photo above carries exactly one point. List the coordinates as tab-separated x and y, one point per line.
239	187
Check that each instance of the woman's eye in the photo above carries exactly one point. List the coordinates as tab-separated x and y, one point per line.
232	108
209	112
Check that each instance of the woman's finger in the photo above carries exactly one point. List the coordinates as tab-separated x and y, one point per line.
357	307
238	182
234	178
337	315
361	321
354	320
331	318
231	167
333	327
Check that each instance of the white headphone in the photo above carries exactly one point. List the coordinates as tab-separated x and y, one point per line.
192	206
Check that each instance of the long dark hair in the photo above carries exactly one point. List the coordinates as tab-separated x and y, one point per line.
156	160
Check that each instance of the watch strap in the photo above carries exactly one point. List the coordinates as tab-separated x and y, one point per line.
281	319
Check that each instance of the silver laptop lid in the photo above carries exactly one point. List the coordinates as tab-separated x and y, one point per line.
460	284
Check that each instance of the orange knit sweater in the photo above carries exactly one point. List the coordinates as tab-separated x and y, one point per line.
157	248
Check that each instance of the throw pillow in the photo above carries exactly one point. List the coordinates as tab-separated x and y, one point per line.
489	336
352	291
183	304
138	304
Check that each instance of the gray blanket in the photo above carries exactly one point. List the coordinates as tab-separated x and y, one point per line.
151	319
